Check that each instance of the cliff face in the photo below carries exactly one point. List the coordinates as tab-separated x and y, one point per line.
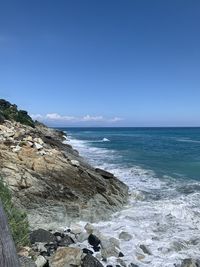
51	181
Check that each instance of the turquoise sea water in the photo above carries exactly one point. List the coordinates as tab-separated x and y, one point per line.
166	151
161	166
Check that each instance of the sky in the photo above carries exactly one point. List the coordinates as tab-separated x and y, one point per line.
102	62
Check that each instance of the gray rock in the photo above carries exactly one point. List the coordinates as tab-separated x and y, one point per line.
66	241
104	174
190	263
40	261
41	235
125	236
90	261
26	262
145	249
66	257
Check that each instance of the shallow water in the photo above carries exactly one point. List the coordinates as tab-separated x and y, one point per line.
162	169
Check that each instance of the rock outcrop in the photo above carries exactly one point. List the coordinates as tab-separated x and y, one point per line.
50	180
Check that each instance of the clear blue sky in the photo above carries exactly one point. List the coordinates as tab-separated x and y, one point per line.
102	62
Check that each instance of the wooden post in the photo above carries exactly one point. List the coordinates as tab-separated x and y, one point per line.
8	254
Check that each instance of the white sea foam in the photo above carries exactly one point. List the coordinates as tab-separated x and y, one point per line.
158	214
105	140
187	140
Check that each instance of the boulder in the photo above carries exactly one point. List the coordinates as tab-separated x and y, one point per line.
41	235
90	261
66	257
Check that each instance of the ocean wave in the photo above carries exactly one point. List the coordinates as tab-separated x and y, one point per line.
187	140
162	213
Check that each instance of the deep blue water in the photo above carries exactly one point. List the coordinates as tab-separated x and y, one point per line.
167	151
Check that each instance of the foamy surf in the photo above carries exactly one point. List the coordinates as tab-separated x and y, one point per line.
158	215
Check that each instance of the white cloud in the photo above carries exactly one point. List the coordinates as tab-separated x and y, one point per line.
92	118
116	119
55	117
36	116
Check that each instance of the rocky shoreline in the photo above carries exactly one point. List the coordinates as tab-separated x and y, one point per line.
81	246
58	188
51	181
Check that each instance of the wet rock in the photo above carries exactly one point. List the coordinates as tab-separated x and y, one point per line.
40	261
190	263
110	248
51	247
66	257
104	174
66	241
87	251
145	249
96	249
89	228
121	262
26	262
41	235
93	240
121	255
90	261
133	265
125	236
75	228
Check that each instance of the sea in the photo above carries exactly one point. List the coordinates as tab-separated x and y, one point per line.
161	166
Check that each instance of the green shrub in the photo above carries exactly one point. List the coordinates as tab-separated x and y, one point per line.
17	219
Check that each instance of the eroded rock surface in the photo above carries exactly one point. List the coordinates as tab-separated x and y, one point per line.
51	181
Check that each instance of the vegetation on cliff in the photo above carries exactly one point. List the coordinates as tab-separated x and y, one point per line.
17	219
11	112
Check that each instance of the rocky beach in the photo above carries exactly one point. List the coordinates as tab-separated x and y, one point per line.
64	197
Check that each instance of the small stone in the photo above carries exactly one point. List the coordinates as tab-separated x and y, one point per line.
122	263
16	149
121	255
75	228
145	249
40	261
190	263
93	240
90	261
89	228
125	236
38	146
75	163
39	141
26	262
87	251
41	247
66	241
96	249
24	251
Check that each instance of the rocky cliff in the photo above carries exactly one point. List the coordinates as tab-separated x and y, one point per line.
48	178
